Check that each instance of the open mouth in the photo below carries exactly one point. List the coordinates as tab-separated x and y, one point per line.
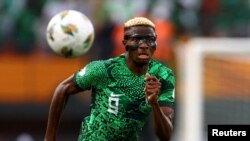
143	56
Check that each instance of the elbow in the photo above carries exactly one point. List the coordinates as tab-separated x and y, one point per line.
163	137
164	133
62	91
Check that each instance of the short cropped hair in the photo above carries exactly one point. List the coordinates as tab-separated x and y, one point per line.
136	21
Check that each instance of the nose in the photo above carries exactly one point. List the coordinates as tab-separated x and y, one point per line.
142	43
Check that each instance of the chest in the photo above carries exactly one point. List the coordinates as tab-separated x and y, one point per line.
125	83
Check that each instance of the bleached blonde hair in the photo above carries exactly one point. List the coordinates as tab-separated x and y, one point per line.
138	21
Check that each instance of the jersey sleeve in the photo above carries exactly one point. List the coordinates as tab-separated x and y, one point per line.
90	76
167	93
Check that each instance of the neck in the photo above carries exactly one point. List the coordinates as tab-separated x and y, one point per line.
136	68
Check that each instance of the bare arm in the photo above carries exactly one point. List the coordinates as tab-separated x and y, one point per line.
161	115
58	103
162	122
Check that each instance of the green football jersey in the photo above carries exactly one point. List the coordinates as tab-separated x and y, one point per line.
118	105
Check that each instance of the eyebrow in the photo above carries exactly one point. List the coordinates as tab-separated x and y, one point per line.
139	35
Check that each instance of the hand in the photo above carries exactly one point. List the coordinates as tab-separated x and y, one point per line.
152	88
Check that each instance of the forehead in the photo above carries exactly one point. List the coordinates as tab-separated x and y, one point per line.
140	30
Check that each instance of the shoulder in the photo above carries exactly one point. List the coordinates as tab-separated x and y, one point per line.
95	64
114	62
93	68
102	65
158	69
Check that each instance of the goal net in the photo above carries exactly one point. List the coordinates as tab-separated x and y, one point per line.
213	80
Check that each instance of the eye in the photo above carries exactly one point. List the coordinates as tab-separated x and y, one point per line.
134	39
151	39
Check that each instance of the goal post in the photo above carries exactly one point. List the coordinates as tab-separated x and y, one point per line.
206	69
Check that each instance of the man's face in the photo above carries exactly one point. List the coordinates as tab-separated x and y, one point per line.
140	43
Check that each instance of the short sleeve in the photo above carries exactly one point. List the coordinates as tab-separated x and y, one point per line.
167	93
89	76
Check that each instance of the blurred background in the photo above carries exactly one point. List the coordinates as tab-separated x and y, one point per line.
29	71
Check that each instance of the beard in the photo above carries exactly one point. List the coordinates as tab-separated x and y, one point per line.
140	63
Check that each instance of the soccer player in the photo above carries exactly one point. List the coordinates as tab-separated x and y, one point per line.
125	90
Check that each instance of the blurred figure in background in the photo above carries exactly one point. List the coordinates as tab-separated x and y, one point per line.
24	137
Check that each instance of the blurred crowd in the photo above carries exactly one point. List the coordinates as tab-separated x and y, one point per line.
23	22
23	26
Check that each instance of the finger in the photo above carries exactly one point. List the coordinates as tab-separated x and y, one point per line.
156	87
152	83
150	78
154	78
150	91
149	85
153	97
147	76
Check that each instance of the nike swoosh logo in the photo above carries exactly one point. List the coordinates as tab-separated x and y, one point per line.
116	95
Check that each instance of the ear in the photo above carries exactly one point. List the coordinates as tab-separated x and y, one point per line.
124	42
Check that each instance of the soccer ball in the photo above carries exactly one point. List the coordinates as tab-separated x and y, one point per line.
70	33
